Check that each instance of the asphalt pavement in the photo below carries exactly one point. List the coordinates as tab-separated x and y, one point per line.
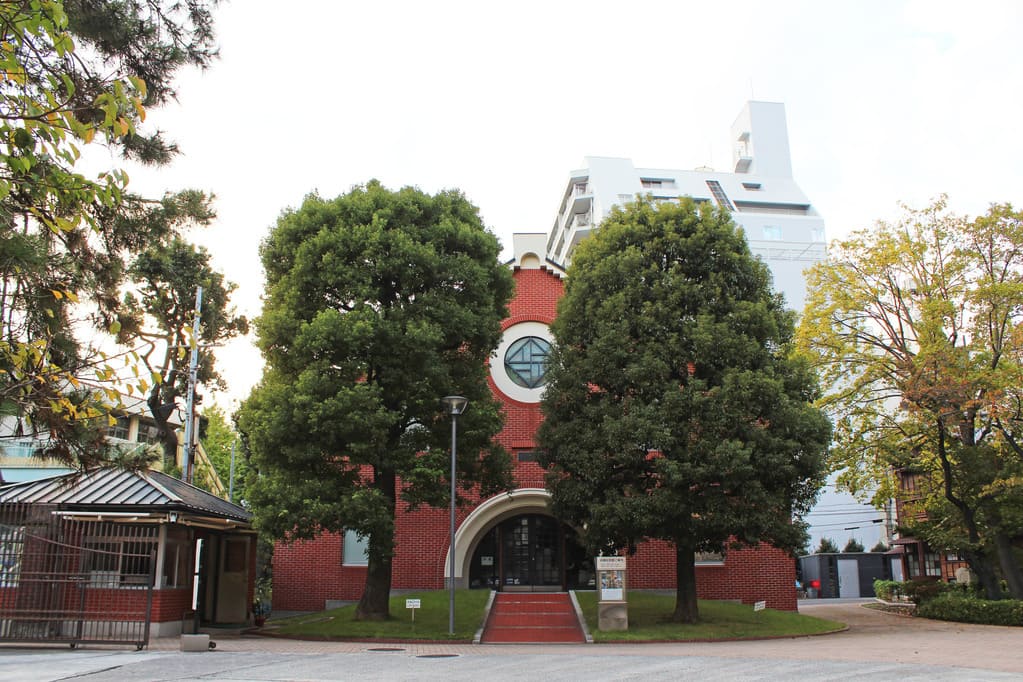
876	646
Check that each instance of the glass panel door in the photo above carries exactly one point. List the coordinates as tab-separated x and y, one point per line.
531	554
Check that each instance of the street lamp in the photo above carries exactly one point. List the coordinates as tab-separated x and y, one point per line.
455	405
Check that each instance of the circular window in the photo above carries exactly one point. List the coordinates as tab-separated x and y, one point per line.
519	364
526	361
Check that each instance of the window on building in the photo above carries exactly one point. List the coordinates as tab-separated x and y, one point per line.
526	456
12	545
752	186
526	361
148	434
236	555
912	562
932	563
772	232
719	195
176	559
356	549
710	558
120	428
817	234
777	209
656	183
114	562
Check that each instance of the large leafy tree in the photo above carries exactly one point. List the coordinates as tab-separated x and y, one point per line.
674	409
72	75
157	317
916	326
378	303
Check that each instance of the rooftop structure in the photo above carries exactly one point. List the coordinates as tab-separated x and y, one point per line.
781	225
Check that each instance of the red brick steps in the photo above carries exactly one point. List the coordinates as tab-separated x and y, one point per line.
517	617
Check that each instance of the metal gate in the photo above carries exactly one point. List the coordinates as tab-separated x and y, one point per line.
66	577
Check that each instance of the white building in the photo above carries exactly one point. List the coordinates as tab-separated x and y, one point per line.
781	225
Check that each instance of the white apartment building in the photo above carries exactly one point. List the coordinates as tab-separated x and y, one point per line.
781	225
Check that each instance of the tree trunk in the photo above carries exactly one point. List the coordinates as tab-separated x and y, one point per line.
981	565
1010	565
168	437
979	561
686	609
376	596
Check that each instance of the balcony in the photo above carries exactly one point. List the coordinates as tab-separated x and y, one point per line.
742	157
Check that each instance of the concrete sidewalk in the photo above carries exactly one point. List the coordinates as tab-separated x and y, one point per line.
876	646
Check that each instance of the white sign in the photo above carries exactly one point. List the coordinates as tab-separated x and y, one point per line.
412	604
759	606
610	563
486	561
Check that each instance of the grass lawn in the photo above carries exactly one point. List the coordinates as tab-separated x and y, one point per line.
431	620
649	616
648	620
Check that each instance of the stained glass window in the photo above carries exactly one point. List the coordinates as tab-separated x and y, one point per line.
526	361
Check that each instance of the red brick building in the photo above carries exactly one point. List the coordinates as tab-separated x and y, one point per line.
510	541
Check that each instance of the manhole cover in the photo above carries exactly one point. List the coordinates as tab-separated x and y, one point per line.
385	648
437	656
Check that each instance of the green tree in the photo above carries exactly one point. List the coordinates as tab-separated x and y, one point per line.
853	546
157	317
674	409
220	441
915	326
70	76
879	547
827	546
378	303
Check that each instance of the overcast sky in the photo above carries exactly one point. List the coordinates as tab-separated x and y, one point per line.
886	101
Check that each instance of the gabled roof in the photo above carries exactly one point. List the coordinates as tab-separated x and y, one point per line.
112	489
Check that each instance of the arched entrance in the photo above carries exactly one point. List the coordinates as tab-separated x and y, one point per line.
481	560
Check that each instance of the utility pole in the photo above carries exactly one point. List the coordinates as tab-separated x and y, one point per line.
230	489
193	370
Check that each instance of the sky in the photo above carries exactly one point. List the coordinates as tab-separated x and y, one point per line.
886	101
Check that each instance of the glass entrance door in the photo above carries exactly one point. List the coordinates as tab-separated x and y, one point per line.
531	553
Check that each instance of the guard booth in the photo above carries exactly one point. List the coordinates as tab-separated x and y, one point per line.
107	557
612	605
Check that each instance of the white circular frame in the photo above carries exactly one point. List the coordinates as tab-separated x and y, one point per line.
497	370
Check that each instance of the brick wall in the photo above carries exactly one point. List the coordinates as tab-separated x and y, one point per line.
307	573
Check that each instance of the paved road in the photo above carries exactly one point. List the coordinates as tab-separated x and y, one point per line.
877	646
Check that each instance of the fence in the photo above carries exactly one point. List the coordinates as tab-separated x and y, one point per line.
69	578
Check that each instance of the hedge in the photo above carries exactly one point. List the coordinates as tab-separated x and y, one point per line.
888	590
962	609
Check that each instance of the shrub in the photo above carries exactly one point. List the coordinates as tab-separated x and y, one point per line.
827	546
852	546
888	590
955	607
923	590
880	547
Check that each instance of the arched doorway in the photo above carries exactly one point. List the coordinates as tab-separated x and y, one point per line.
530	552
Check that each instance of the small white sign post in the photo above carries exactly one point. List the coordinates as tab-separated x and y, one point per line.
413	604
759	605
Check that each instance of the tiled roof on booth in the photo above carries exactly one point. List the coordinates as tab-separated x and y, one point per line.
112	489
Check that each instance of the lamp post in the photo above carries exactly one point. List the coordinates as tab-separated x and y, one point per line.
455	405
